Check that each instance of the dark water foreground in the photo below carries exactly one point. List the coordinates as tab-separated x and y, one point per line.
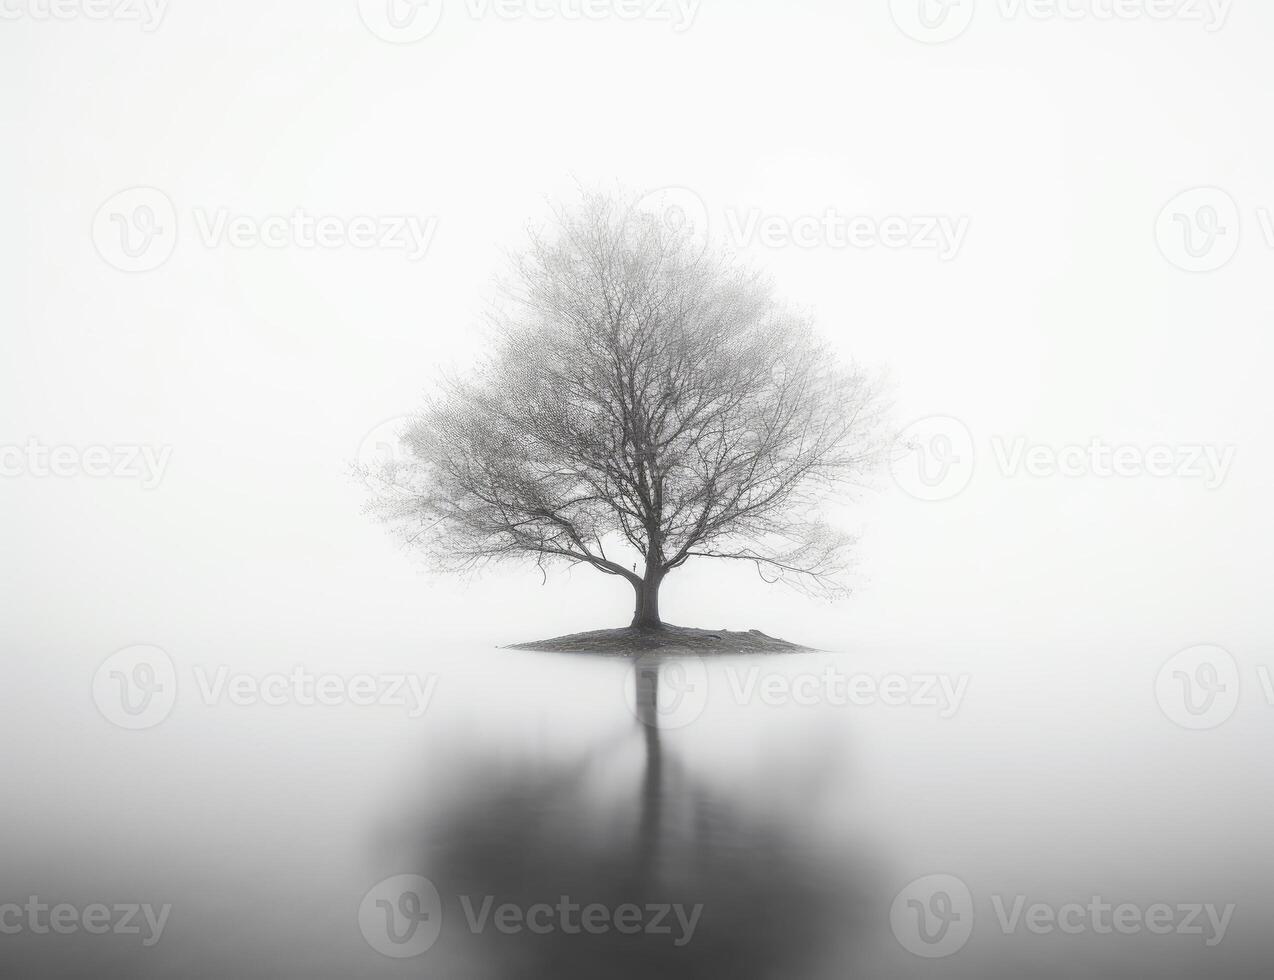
881	815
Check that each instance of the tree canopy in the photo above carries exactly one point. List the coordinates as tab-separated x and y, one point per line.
642	397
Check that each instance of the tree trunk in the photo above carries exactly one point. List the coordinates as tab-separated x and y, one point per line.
646	616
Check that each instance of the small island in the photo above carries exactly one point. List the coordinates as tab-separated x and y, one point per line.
633	641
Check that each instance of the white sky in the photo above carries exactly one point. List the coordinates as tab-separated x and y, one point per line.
1059	320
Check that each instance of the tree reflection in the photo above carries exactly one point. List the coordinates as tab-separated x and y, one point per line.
775	900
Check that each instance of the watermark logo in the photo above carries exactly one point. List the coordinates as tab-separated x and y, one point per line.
401	917
663	692
678	210
1199	688
382	450
572	918
97	919
35	460
1019	457
932	21
834	688
383	461
136	229
410	21
301	687
149	13
1100	917
934	458
667	693
1199	230
1211	14
685	213
933	916
401	21
409	234
939	21
1202	229
136	688
944	235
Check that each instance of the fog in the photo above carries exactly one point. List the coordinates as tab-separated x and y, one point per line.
235	384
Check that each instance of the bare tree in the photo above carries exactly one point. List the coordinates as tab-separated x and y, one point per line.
641	396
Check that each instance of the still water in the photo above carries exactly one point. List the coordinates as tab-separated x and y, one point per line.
877	814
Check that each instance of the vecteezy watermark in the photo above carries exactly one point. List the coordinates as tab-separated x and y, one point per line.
939	21
672	692
667	692
679	210
935	458
1100	917
302	687
682	210
405	233
932	21
138	230
1200	688
402	917
833	687
1201	229
1018	456
148	13
401	21
573	918
942	234
35	460
136	688
382	451
409	21
97	919
933	917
